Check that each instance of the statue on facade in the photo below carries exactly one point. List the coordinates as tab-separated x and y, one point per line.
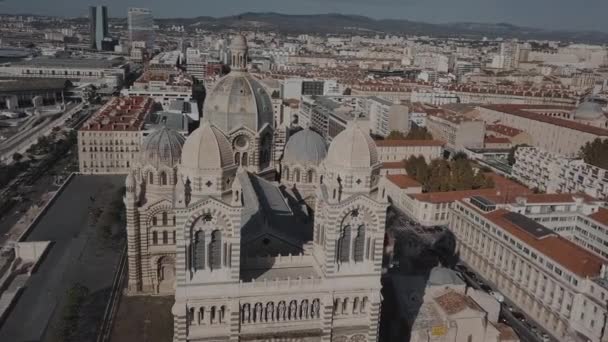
281	311
258	312
314	310
293	309
270	312
304	309
246	313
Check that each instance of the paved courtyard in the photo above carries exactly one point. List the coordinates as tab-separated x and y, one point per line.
144	319
78	255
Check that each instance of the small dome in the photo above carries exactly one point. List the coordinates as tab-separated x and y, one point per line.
306	146
162	147
589	111
352	148
207	148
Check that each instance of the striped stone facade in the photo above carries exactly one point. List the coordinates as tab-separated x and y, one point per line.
204	244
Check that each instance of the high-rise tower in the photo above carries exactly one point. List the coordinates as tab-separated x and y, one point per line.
98	21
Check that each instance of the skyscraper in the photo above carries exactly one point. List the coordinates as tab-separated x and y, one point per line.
141	26
98	17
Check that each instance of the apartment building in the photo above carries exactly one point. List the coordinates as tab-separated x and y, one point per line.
560	284
163	85
433	208
386	116
109	142
98	71
457	131
546	125
394	150
553	173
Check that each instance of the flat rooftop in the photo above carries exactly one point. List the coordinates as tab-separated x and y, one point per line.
72	63
532	112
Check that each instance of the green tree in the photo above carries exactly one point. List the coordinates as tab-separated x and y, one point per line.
395	135
596	153
418	133
511	156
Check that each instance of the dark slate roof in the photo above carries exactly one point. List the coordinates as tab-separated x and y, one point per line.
32	84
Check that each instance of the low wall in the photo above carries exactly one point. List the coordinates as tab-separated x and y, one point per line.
43	211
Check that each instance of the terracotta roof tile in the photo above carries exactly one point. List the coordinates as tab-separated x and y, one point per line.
454	302
403	181
521	111
601	216
574	258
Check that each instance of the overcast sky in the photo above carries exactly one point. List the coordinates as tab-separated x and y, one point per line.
553	14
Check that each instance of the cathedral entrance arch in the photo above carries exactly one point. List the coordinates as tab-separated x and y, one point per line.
166	274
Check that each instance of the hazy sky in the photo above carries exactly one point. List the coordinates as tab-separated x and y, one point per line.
553	14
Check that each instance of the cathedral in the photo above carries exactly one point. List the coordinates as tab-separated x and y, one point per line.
255	247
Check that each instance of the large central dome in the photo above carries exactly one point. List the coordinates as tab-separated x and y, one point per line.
238	99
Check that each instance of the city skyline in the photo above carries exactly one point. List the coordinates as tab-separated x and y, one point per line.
565	15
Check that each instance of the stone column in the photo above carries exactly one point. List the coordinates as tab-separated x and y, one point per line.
326	314
374	318
180	325
234	320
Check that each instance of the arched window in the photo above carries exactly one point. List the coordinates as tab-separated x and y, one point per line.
237	158
215	250
163	178
165	237
321	179
222	313
343	245
154	238
150	177
154	221
359	244
286	173
212	315
198	255
364	304
174	220
174	237
296	175
245	161
165	219
310	176
356	305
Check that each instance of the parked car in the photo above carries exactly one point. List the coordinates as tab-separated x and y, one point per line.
485	288
546	338
519	316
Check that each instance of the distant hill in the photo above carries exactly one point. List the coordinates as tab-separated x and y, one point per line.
348	24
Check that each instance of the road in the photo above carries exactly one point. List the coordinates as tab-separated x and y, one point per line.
75	256
521	328
28	136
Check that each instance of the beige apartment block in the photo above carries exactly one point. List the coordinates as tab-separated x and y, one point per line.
109	142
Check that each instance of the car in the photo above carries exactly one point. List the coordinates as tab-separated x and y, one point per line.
519	316
486	288
546	338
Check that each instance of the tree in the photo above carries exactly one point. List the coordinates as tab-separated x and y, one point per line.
511	156
89	94
418	133
395	135
596	153
17	157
